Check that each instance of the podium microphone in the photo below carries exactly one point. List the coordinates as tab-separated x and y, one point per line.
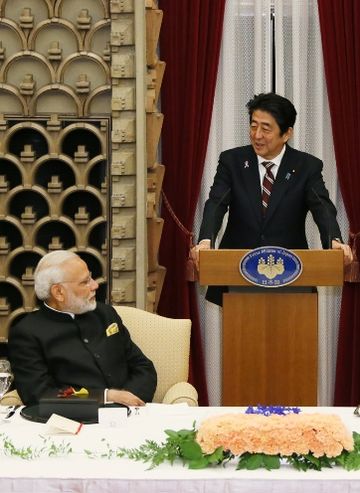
213	235
321	202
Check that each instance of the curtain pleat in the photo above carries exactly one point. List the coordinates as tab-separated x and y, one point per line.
340	31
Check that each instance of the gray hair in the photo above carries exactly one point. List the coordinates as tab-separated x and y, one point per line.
49	271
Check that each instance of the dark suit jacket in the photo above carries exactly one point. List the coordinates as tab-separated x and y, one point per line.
50	350
299	187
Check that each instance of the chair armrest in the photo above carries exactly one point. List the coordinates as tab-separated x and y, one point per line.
181	392
11	399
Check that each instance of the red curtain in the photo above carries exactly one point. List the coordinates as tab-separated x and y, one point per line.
340	31
190	39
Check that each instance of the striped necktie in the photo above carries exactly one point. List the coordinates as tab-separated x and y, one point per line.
267	184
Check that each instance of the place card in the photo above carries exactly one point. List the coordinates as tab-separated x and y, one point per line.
58	424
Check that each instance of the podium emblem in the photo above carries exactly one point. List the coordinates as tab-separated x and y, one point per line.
270	267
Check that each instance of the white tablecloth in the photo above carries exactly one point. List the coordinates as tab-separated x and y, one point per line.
78	473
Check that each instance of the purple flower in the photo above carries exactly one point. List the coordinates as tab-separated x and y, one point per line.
268	410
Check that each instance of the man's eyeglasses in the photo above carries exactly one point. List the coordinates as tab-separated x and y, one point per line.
85	282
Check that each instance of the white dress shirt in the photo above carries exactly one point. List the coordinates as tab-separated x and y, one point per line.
274	170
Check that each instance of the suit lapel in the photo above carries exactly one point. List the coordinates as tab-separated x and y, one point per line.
282	182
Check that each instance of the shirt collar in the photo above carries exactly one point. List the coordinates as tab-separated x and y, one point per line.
72	315
276	160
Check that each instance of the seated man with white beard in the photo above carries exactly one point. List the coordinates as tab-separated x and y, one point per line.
75	341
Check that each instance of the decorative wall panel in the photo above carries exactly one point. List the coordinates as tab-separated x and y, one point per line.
154	120
55	128
53	194
128	155
123	198
55	57
70	108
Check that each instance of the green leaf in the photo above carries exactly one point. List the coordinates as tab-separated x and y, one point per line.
200	463
181	435
217	457
297	462
186	433
349	460
356	438
271	462
315	461
256	461
327	462
341	459
250	461
172	433
191	450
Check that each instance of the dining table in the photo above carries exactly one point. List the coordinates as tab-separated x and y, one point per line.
84	462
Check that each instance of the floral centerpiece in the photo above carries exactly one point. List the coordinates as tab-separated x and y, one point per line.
292	435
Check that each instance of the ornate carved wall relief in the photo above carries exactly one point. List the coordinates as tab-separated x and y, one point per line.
53	195
131	156
55	127
71	131
55	57
154	120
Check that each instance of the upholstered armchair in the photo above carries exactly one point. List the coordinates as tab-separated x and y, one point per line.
166	341
11	399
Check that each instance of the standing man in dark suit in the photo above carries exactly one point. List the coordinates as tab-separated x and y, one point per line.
275	218
73	340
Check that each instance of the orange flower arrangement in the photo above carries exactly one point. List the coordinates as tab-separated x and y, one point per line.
318	434
263	437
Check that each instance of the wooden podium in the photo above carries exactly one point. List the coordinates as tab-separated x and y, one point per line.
270	335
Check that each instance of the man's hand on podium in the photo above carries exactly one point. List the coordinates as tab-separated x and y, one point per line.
348	256
202	245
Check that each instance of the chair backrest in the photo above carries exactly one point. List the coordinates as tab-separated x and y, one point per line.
166	341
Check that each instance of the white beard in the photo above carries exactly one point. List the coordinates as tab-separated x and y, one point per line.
79	305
